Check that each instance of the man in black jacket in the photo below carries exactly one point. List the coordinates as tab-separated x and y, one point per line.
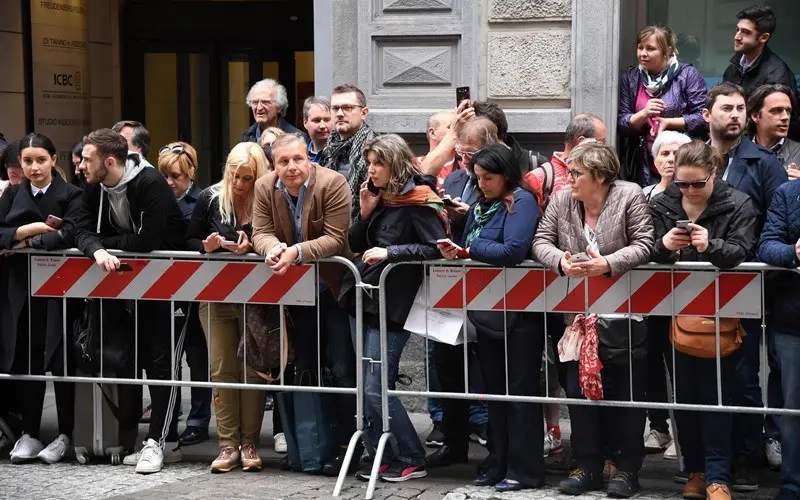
269	102
128	206
754	64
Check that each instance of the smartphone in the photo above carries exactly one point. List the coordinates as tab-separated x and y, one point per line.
125	267
462	93
461	253
580	257
683	224
372	188
53	221
449	202
232	243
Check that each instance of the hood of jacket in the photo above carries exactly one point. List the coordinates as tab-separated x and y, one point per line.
117	195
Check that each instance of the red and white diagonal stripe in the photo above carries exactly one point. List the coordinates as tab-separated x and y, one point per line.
183	280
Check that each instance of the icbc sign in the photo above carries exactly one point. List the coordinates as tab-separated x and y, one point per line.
68	80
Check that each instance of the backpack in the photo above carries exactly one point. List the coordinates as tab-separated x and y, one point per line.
540	162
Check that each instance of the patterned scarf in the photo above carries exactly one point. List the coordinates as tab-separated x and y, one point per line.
483	215
655	86
589	365
420	195
351	151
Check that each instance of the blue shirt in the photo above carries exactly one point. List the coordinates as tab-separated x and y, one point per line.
296	210
311	154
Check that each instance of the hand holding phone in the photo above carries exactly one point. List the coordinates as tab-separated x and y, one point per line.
447	244
462	94
683	224
53	221
448	201
231	243
372	188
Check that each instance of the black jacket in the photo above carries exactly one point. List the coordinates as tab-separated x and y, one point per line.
153	208
18	208
729	218
408	234
189	200
207	219
252	135
769	68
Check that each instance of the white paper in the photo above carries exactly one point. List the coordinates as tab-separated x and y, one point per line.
442	325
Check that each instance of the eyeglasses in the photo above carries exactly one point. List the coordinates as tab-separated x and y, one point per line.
574	174
694	184
465	154
178	149
345	108
261	102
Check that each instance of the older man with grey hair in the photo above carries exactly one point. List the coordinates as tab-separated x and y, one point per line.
317	122
268	101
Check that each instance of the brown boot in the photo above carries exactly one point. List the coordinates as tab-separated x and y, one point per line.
251	462
718	491
695	488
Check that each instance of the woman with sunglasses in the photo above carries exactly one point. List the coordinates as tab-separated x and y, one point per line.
722	231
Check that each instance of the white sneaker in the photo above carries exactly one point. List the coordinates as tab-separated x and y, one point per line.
172	454
56	450
671	453
774	453
280	443
26	449
551	444
151	458
657	441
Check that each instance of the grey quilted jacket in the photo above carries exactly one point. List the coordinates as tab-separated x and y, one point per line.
624	229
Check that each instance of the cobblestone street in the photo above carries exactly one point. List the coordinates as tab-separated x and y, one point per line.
192	480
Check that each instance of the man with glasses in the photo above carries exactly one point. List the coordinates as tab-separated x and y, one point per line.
756	172
268	101
344	152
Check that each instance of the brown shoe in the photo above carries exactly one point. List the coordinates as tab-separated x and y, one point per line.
718	491
251	462
695	488
228	459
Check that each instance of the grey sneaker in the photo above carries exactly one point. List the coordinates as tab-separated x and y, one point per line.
774	453
26	449
57	450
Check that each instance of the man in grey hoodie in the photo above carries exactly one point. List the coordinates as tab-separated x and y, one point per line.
130	207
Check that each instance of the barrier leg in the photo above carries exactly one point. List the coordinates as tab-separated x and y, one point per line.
376	464
348	457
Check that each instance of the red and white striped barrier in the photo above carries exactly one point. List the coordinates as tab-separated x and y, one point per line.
646	292
183	280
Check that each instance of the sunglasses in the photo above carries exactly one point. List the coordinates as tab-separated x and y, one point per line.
178	149
694	184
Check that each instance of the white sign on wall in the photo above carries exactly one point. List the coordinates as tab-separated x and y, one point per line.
60	53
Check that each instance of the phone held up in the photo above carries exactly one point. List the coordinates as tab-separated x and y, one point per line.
462	94
372	188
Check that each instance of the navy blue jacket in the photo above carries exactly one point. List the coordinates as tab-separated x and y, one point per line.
756	172
454	185
507	238
777	248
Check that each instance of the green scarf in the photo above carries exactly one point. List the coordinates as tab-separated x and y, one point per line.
482	217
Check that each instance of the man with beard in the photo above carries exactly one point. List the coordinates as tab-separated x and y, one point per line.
754	64
344	152
756	172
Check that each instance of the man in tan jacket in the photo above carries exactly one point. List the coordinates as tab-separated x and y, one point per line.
301	213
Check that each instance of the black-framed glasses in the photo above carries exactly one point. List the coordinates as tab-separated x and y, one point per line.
574	174
345	108
177	149
694	184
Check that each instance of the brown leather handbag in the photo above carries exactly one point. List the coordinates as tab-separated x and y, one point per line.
696	336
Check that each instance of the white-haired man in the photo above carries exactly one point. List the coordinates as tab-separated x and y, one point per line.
268	101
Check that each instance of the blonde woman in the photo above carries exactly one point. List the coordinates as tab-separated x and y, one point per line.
270	135
400	219
222	222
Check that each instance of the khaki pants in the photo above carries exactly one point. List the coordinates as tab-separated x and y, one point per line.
239	412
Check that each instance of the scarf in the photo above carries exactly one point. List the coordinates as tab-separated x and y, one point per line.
351	151
655	86
482	216
589	365
419	196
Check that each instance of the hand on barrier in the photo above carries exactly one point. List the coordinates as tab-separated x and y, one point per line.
284	257
106	261
450	250
375	255
699	237
32	229
239	248
212	242
275	253
570	269
676	239
368	201
597	265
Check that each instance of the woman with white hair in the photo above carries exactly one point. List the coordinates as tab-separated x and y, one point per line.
663	150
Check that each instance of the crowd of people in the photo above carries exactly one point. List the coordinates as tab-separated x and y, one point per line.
702	175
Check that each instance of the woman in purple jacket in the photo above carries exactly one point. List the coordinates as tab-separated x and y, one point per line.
661	93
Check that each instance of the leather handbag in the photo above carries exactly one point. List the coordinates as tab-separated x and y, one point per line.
696	336
262	338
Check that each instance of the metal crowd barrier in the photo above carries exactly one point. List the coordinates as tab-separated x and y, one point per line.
683	289
179	276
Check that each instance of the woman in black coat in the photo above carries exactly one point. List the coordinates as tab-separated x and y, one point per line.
31	331
722	231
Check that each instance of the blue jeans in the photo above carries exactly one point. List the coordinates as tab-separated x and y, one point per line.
409	445
747	428
705	437
788	351
478	412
